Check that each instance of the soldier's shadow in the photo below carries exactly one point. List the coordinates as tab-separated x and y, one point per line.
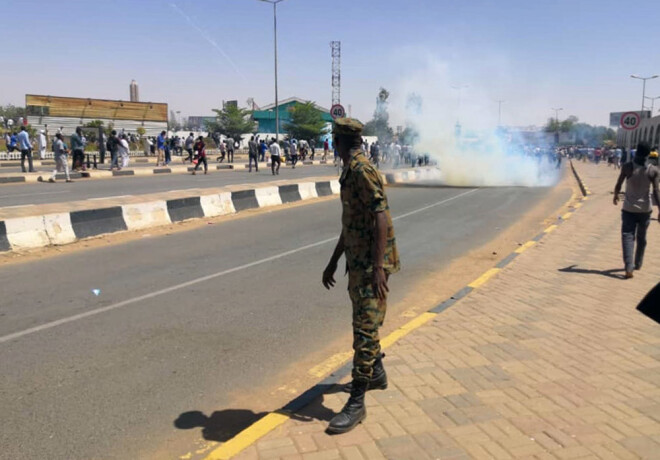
223	425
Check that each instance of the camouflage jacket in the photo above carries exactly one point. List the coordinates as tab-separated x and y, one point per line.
362	196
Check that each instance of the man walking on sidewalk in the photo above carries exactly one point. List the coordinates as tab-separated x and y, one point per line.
253	153
367	240
26	148
61	160
190	143
275	157
636	212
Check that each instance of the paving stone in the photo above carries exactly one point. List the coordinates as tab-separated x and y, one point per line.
550	359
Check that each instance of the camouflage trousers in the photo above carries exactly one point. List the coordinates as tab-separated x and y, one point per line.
368	316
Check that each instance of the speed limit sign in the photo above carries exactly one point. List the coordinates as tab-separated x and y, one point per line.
630	120
337	111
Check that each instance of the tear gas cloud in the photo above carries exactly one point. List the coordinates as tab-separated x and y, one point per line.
479	156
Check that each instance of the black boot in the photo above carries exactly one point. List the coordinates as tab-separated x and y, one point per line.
378	377
353	412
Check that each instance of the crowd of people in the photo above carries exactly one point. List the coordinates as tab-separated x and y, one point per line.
614	157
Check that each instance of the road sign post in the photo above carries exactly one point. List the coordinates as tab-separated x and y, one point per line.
630	120
337	111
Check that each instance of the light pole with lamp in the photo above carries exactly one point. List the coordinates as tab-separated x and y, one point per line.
277	108
653	99
557	123
643	88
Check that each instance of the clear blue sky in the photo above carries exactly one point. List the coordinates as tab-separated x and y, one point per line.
533	54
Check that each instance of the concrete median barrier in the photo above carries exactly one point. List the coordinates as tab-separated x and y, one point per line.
27	232
59	229
55	227
144	215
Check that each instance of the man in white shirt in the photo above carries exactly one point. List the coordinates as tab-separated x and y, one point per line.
122	150
275	157
42	144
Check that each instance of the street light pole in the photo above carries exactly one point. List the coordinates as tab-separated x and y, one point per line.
653	103
643	88
277	107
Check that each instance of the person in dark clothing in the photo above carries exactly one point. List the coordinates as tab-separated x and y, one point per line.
200	150
253	153
230	150
113	147
312	146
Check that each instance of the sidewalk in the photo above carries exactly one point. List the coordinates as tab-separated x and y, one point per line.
548	359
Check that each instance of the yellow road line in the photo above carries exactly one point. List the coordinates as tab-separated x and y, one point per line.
248	436
567	216
330	364
483	278
525	246
577	205
550	229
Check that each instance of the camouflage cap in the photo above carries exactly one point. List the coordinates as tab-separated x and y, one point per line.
347	126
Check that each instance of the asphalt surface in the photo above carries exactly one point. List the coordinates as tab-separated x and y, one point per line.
84	189
111	385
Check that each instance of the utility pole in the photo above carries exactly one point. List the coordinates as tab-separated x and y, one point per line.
643	89
277	107
652	103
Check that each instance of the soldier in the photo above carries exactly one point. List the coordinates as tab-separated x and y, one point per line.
367	240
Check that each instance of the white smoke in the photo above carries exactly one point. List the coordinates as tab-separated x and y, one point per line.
479	156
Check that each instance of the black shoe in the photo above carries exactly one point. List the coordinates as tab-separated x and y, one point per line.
353	412
378	377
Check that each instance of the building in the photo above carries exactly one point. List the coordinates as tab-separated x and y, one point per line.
648	131
134	91
265	117
67	113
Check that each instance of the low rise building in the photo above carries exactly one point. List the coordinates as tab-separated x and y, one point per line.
66	113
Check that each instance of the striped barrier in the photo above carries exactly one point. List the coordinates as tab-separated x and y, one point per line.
67	227
63	228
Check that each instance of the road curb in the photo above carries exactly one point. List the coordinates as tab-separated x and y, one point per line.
273	419
14	178
36	231
583	188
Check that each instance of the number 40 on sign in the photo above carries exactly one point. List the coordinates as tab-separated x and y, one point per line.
630	120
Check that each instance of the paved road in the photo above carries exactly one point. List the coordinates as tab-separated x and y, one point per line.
111	385
82	189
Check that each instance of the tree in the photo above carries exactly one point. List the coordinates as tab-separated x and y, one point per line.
99	124
232	121
409	135
584	133
379	124
11	112
306	122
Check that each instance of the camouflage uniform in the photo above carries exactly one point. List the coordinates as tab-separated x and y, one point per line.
362	196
